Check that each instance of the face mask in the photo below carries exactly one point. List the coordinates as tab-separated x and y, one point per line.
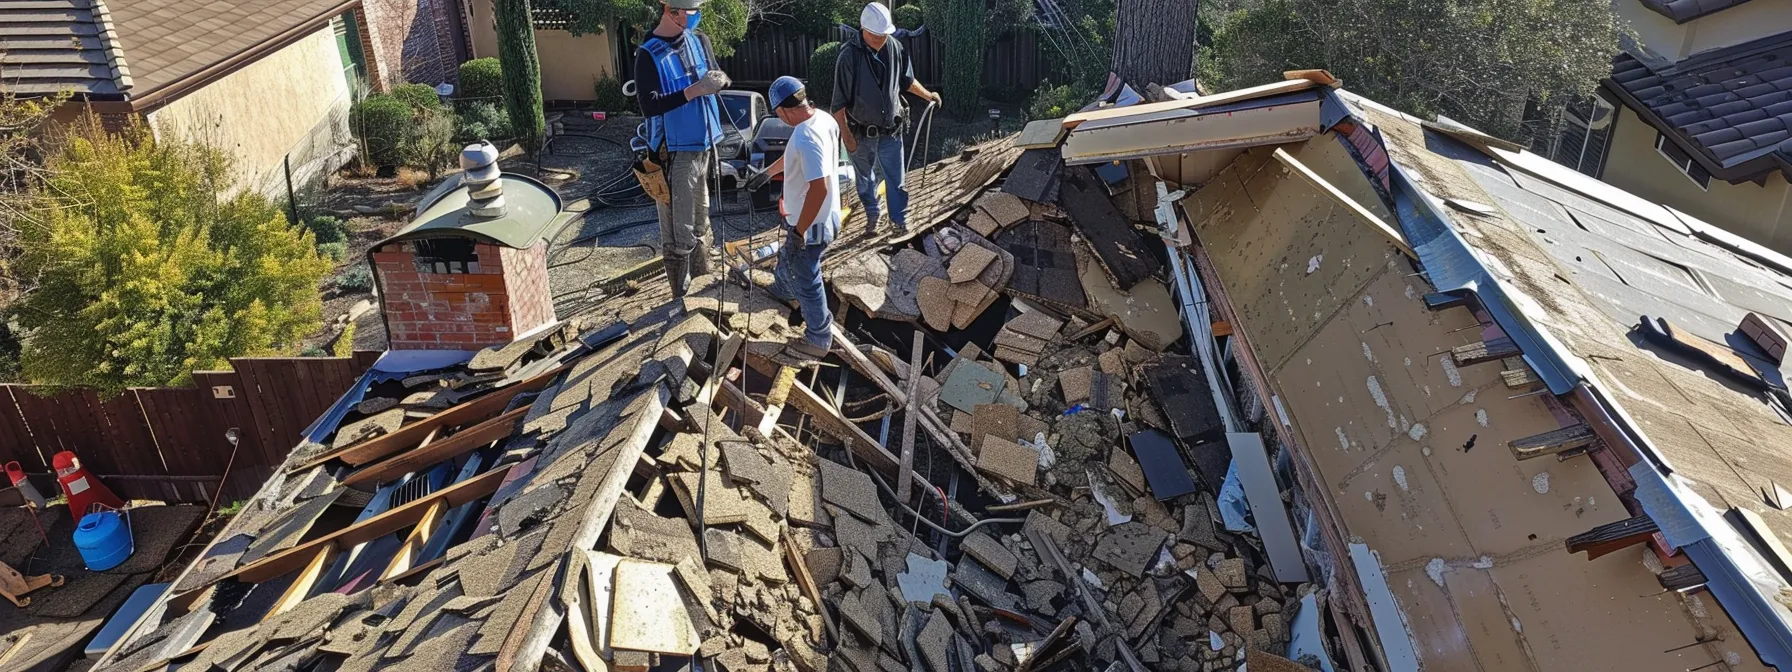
692	20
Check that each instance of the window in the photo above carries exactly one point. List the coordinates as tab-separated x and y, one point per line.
445	255
1583	136
1683	161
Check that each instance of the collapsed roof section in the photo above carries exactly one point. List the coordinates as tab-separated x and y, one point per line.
1435	263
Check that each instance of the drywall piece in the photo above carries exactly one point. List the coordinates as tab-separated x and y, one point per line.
647	611
1390	621
1162	464
1147	312
600	572
1254	471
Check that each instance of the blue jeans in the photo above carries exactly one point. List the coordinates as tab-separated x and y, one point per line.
882	154
798	277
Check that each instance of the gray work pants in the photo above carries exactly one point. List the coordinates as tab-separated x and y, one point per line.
684	223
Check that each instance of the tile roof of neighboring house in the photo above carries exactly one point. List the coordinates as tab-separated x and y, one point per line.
51	46
170	40
1731	108
1682	11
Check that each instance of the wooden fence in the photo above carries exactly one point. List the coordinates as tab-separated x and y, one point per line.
169	443
1017	62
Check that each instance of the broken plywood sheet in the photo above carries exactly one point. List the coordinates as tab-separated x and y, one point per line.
999	420
1287	255
1125	253
647	612
1147	312
1009	460
1041	133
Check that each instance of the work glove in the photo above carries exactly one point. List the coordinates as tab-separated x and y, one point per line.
711	83
757	178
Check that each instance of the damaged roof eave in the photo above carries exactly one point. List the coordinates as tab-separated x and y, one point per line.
1737	575
1277	119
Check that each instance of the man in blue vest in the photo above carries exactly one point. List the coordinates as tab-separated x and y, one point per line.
676	81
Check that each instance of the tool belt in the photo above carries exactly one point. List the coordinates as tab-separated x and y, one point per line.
652	176
874	132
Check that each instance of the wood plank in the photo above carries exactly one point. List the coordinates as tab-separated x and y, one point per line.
806	580
407	437
279	564
1552	442
432	452
1612	537
830	422
718	373
776	398
413	542
300	587
908	422
1388	231
1265	90
1484	351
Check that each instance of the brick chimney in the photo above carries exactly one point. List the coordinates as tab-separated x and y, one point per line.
471	270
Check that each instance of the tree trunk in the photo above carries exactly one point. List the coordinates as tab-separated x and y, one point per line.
522	70
1154	41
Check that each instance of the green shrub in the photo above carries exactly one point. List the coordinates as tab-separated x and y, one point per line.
820	83
481	80
482	120
1052	102
610	97
421	96
345	342
356	279
309	351
327	229
910	16
380	123
335	251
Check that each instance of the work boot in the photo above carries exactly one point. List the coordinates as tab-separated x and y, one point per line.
678	273
700	263
800	347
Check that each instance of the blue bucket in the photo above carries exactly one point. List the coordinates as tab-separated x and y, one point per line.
104	540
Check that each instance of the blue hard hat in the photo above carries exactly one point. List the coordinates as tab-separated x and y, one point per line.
783	88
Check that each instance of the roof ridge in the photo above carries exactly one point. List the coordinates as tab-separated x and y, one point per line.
102	17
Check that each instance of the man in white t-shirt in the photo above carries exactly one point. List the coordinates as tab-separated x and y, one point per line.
811	209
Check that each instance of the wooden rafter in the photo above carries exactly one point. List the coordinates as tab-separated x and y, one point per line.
413	543
411	435
430	453
1387	231
1573	437
278	564
295	593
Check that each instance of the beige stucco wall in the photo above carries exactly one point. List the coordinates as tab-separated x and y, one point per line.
570	66
1759	213
294	100
1749	21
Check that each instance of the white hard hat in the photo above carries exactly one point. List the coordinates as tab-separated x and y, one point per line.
876	18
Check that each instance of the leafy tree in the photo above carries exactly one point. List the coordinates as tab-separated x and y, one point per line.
909	17
522	70
1481	62
724	20
147	271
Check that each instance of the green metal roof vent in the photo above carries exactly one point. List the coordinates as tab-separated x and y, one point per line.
484	203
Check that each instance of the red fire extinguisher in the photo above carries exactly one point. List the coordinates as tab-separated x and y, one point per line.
82	489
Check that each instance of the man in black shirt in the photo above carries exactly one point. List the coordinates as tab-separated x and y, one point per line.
869	79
